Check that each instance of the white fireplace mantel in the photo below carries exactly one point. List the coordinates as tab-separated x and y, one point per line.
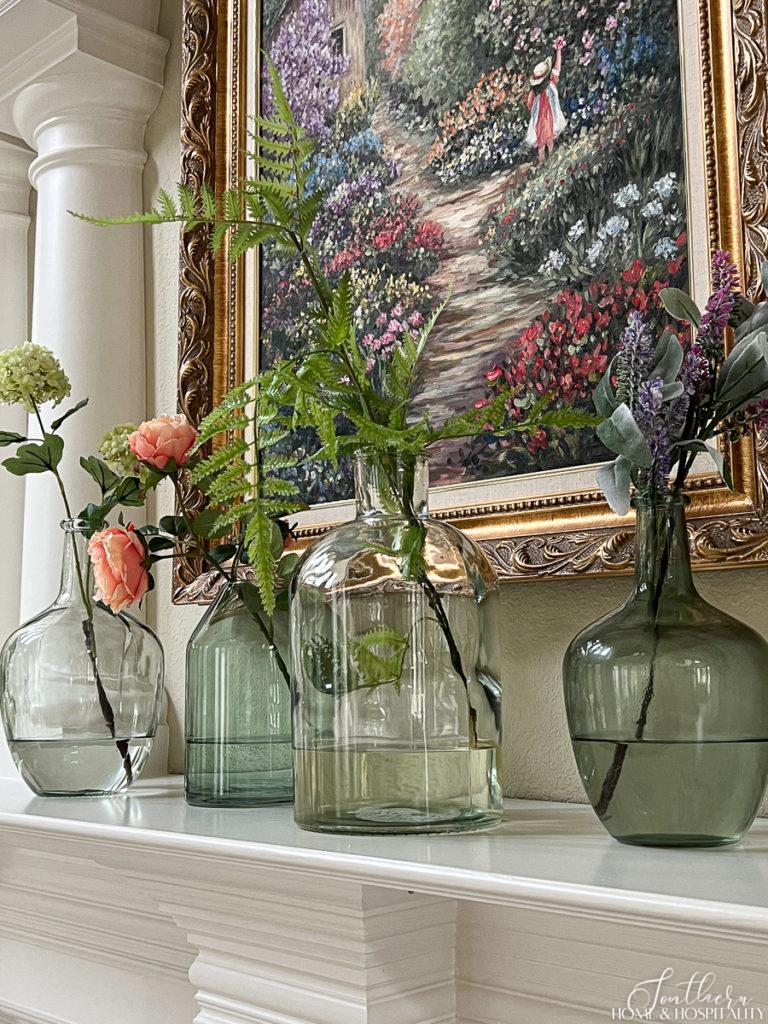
168	911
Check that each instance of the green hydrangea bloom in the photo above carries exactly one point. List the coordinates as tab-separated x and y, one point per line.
117	452
31	375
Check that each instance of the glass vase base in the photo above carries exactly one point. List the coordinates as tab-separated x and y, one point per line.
381	790
253	795
90	768
250	773
421	823
680	841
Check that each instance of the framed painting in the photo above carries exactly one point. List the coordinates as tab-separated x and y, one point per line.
547	166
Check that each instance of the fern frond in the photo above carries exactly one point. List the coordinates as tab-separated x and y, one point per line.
220	459
258	542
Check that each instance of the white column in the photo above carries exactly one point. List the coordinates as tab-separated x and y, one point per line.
14	329
87	126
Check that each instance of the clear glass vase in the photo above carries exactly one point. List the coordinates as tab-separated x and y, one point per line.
397	721
80	696
238	709
667	703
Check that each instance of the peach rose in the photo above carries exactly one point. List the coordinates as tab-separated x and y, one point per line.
158	441
117	556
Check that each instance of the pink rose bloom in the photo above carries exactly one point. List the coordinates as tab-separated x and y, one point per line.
158	441
117	556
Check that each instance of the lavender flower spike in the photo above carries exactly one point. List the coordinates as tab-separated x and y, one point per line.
714	319
649	415
634	359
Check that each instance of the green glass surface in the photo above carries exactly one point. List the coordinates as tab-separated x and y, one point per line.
238	710
667	703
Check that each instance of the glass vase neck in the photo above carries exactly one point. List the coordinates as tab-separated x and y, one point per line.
391	485
75	564
662	553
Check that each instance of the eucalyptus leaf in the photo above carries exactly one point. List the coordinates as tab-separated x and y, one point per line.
622	435
668	358
604	398
764	275
744	375
70	412
286	567
680	306
757	321
672	391
723	464
614	481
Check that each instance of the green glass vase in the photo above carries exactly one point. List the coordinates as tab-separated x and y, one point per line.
667	703
238	709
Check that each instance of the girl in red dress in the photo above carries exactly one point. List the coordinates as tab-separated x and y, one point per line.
547	119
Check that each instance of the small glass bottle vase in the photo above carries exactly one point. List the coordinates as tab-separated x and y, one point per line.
238	709
397	720
80	696
667	703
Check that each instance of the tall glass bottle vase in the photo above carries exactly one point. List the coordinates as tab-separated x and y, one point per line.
64	676
397	721
238	710
667	703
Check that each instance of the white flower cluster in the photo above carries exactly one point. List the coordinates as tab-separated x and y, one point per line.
31	375
554	261
627	196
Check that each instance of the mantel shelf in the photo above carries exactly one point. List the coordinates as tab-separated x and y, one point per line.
548	856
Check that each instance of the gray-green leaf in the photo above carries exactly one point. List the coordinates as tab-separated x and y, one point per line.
9	437
680	306
614	481
622	435
722	463
668	357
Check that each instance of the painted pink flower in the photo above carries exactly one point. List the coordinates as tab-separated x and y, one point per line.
535	33
117	555
611	22
163	439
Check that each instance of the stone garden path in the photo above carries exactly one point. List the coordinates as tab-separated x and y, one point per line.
484	313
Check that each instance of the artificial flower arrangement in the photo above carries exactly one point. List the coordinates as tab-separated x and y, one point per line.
31	376
664	403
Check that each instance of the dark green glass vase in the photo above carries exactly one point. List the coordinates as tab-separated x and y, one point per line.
667	703
238	710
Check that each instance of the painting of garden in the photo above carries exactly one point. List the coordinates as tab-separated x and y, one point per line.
525	157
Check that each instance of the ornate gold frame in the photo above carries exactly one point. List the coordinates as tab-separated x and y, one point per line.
564	535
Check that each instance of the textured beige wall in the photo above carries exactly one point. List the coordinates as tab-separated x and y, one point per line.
539	619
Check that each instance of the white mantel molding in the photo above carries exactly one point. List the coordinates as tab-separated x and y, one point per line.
241	916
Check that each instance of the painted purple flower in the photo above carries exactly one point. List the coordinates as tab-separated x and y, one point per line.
310	66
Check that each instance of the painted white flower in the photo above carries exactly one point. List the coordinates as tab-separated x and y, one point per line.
594	252
616	225
577	230
665	248
554	261
665	186
652	209
627	196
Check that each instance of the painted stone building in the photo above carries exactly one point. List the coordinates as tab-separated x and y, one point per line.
348	21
